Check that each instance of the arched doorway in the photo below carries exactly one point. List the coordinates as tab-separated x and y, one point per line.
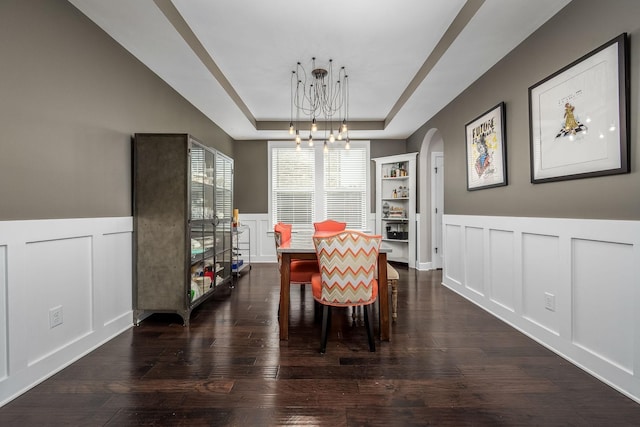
430	199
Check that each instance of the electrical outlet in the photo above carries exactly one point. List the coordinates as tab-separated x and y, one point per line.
549	301
55	316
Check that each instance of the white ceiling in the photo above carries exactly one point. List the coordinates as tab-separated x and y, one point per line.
233	59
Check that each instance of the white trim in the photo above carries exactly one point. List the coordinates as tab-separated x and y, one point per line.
589	268
82	265
319	159
261	234
402	250
436	259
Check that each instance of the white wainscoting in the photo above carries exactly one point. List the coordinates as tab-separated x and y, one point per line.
82	266
571	284
261	234
263	248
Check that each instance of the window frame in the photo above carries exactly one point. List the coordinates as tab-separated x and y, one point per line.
318	213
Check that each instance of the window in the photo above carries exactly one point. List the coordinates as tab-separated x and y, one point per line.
309	185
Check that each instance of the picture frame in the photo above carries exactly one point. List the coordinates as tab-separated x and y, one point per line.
486	149
579	117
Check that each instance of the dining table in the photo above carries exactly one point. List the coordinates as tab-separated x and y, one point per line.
300	246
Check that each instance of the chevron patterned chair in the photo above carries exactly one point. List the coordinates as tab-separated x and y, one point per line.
348	265
329	225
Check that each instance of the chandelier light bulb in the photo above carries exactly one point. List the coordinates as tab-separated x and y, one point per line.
343	128
310	140
326	148
290	128
298	137
331	137
347	146
298	144
339	137
314	125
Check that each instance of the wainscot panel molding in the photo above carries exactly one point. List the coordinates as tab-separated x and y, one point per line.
65	289
421	248
573	285
263	248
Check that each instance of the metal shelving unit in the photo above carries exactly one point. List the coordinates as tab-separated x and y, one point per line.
241	256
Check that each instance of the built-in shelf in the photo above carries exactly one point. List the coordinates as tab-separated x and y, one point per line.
396	206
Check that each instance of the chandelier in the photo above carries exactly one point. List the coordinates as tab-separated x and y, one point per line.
322	95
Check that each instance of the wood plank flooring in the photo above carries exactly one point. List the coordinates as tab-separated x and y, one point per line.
449	364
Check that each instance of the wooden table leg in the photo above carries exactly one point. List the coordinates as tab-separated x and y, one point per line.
383	297
285	284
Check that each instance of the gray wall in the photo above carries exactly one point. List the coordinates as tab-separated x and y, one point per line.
251	180
70	100
72	97
578	29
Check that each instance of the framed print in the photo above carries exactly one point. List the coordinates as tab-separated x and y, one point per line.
578	117
486	150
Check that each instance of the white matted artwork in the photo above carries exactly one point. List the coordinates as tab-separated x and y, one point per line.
486	150
578	117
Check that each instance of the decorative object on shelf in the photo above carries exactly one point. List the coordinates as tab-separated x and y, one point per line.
385	210
486	150
236	218
579	117
321	95
396	212
397	231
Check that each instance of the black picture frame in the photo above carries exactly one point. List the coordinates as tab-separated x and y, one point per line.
579	117
486	149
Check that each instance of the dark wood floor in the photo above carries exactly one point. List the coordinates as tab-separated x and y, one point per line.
449	364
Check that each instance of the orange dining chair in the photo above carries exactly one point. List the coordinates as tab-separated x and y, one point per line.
347	278
329	225
301	270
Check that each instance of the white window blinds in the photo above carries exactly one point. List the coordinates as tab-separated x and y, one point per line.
345	186
293	186
308	186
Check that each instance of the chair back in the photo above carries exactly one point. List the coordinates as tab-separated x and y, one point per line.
300	270
348	265
329	225
281	234
284	230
